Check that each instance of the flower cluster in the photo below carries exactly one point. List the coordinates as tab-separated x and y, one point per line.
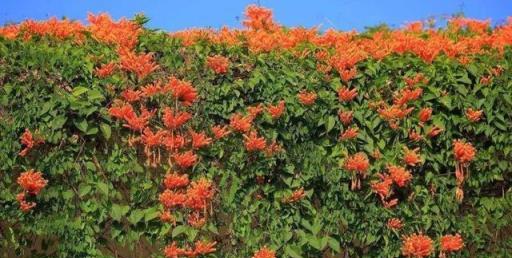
32	183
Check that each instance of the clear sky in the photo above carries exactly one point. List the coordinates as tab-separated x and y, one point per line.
172	15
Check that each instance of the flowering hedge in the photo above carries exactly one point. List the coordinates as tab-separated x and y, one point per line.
120	141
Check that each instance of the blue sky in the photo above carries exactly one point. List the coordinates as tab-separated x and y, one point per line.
341	14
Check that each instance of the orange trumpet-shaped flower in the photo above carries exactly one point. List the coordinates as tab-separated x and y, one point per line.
204	248
24	205
425	114
199	140
171	199
348	74
152	89
254	143
350	133
173	142
411	157
174	181
186	159
295	196
344	94
414	136
259	18
241	123
219	64
196	220
307	98
28	140
199	194
400	175
474	115
434	131
345	117
254	111
173	119
403	97
32	181
264	252
382	187
105	70
131	95
150	139
276	111
173	251
182	91
451	243
142	65
394	223
166	216
464	152
417	245
358	163
220	131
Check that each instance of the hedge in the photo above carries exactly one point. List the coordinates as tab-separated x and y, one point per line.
267	141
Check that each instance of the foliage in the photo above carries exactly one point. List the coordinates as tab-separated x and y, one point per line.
283	179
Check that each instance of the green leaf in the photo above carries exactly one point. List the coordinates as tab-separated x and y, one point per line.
118	211
331	121
77	91
292	251
82	125
178	230
105	129
135	216
83	190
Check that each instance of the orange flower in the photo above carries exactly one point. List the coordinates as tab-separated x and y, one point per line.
131	95
173	119
273	148
152	89
394	112
150	139
182	91
307	98
406	95
253	142
105	70
345	117
186	159
240	123
411	157
434	131
464	152
295	196
166	216
29	141
474	115
417	245
142	65
204	247
358	163
172	251
451	243
170	199
264	252
254	111
400	175
414	136
394	224
344	94
350	133
32	181
218	64
173	142
348	74
124	33
220	131
425	114
277	110
259	18
196	220
173	181
199	194
382	187
24	205
199	140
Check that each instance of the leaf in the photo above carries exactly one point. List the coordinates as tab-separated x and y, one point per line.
118	211
135	216
105	129
77	91
82	125
331	121
292	252
178	230
151	213
102	187
84	190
